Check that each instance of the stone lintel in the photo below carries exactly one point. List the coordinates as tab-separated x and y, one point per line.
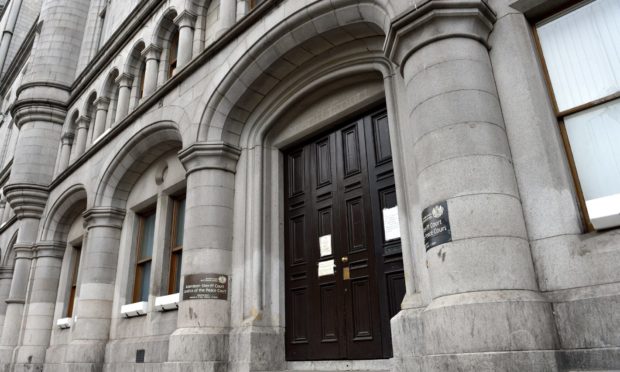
104	217
185	19
54	249
39	110
438	20
83	121
27	200
23	251
124	80
102	103
210	155
67	138
152	51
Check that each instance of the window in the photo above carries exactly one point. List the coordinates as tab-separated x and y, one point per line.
144	256
254	3
77	251
141	77
99	32
172	52
176	244
581	52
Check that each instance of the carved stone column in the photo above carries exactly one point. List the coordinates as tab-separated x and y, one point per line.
228	15
185	21
102	104
125	81
65	151
81	136
486	311
209	213
39	317
6	276
152	54
98	274
28	202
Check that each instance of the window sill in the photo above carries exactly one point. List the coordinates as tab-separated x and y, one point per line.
604	212
135	309
64	323
167	303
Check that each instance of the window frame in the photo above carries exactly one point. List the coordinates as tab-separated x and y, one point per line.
561	115
176	251
75	267
173	45
139	261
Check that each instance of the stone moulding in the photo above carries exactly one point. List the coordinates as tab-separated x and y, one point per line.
438	20
28	201
218	155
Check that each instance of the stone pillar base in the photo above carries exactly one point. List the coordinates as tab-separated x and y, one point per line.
256	348
194	366
6	355
73	367
515	361
197	346
489	321
407	340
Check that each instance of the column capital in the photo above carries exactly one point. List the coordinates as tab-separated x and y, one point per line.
23	251
52	249
152	51
124	80
104	217
206	155
27	200
438	20
186	19
67	138
102	103
83	121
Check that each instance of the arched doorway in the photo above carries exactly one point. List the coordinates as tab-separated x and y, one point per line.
344	270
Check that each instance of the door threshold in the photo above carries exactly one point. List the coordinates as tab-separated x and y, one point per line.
371	365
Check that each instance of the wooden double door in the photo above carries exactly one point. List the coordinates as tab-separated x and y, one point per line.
344	279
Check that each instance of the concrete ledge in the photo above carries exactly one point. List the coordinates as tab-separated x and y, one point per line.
517	361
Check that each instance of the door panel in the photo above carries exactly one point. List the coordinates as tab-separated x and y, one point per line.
336	187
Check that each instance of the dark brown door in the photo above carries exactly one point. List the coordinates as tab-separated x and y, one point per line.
344	280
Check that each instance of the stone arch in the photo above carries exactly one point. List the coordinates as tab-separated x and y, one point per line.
132	159
89	104
8	258
109	83
164	27
110	90
135	66
69	205
132	64
277	55
162	38
73	119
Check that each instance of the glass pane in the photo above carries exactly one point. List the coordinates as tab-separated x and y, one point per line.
148	235
180	222
594	137
145	280
582	53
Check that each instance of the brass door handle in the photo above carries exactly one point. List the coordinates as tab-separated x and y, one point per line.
345	259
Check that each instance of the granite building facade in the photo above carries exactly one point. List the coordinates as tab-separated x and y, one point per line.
309	185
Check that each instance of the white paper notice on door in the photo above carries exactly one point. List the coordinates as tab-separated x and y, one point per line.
391	224
325	244
326	268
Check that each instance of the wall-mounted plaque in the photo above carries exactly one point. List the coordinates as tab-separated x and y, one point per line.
205	287
325	244
436	224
